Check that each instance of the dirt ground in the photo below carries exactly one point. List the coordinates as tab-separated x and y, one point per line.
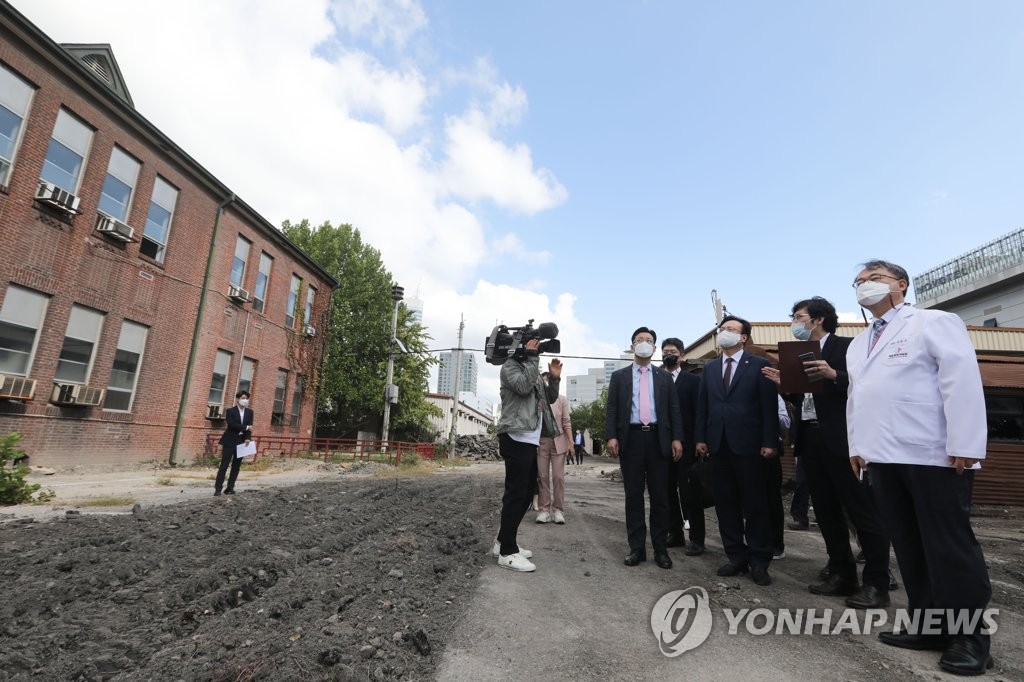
313	572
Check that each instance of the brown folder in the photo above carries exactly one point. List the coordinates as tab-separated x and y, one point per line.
791	368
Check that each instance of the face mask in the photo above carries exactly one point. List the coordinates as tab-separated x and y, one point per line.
800	332
728	339
243	403
644	349
869	293
670	360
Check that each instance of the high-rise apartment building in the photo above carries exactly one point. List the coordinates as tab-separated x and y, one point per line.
467	373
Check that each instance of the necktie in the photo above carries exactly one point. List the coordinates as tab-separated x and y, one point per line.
645	397
728	372
876	331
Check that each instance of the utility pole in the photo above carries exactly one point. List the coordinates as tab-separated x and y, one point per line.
457	359
390	390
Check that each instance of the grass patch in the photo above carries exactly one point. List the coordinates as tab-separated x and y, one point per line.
164	481
112	501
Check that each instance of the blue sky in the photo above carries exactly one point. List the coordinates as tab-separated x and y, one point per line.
601	164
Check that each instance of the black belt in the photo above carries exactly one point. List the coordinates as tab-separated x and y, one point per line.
642	427
813	423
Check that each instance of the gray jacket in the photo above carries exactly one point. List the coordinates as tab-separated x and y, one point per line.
522	391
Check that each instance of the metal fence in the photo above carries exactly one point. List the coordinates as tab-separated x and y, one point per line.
989	259
332	449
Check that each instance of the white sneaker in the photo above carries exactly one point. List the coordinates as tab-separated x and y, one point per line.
496	550
543	517
516	562
559	518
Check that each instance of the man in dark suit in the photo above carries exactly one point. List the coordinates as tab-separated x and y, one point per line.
820	441
685	499
644	428
238	431
738	426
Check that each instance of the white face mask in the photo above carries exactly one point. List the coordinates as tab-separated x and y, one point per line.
643	349
243	403
728	339
869	293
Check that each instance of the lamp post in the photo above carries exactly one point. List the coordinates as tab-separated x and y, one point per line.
390	390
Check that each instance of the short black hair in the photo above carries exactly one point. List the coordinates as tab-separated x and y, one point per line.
744	325
820	307
673	341
641	330
241	393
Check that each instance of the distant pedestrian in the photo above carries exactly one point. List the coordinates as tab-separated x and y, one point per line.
238	431
578	442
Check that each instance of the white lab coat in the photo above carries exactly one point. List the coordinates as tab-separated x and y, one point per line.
917	397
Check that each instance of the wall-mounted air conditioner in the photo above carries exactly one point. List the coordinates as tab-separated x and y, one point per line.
237	293
17	388
76	394
215	412
114	228
309	330
51	195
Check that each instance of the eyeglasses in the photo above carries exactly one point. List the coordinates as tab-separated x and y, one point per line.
877	277
797	316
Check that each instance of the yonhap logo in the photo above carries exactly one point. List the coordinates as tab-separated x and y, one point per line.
681	620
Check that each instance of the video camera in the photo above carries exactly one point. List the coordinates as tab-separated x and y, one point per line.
509	342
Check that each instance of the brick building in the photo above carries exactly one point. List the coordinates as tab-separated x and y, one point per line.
137	293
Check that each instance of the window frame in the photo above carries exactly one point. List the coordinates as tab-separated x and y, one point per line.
159	183
94	345
294	288
19	133
1017	417
12	320
128	158
228	358
298	388
117	390
281	387
239	242
256	297
84	156
307	314
252	364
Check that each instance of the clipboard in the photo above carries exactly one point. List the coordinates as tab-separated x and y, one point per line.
792	378
243	450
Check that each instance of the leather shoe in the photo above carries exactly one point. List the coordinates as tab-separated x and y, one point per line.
229	492
693	549
825	573
216	493
634	558
663	560
835	586
906	640
675	540
796	525
733	568
760	576
869	597
965	656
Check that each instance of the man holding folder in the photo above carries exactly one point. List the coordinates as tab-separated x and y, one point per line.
238	432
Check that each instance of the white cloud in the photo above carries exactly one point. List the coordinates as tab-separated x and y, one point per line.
382	21
510	244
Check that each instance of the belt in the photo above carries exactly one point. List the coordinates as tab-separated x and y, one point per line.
813	423
642	427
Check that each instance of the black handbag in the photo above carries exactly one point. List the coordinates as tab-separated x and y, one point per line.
700	479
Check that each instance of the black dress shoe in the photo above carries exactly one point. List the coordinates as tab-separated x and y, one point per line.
733	568
835	586
229	492
965	656
825	573
797	525
216	493
693	549
906	640
634	558
869	597
760	576
663	560
675	540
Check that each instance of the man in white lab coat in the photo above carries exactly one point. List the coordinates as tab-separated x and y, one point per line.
916	422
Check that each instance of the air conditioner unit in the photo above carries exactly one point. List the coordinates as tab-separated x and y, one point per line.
75	394
17	388
309	330
113	227
52	195
237	293
215	412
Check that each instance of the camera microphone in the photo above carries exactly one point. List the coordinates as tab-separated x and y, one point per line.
547	330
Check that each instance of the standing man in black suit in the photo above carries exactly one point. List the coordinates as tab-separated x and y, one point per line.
738	425
685	499
644	428
238	431
820	442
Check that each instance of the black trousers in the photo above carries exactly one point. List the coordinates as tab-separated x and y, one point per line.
228	458
685	500
644	466
838	495
800	506
520	487
927	513
776	512
579	454
741	495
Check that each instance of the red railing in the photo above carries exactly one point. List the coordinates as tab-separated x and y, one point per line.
331	449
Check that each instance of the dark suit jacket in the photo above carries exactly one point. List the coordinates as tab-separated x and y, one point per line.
748	412
687	389
620	404
829	402
235	434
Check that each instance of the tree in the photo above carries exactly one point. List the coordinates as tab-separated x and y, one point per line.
358	336
591	416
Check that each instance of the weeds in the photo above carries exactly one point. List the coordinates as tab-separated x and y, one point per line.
112	501
14	489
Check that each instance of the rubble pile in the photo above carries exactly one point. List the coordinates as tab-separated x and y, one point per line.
482	447
611	474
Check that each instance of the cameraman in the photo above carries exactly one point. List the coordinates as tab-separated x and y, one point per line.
525	416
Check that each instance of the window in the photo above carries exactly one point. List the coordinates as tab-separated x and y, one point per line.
158	221
296	401
246	374
310	296
79	348
238	264
21	316
65	157
221	367
262	282
116	197
15	97
125	374
1005	417
277	416
293	297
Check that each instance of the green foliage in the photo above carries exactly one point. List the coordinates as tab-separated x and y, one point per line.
13	487
591	416
358	336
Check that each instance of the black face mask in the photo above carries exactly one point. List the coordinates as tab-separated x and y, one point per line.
670	360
